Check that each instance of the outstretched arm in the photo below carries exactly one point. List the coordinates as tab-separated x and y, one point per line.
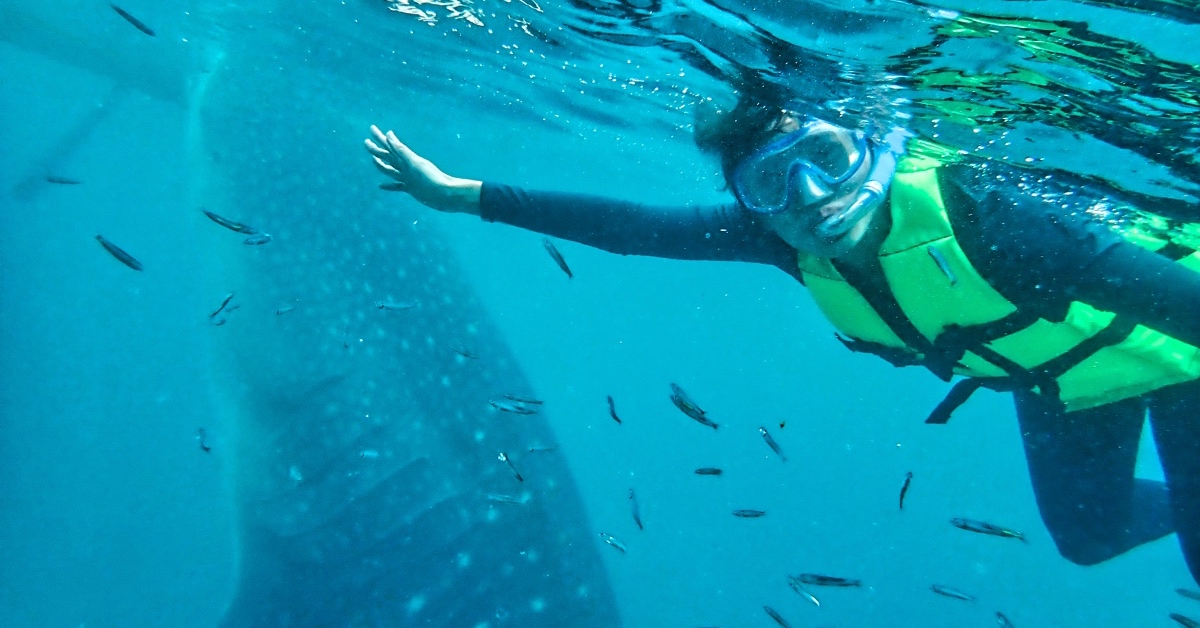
703	232
718	233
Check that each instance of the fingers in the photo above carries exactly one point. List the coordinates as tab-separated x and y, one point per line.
385	145
388	143
387	169
378	135
388	147
374	149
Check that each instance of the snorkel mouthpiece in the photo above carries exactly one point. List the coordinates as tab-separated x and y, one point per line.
871	195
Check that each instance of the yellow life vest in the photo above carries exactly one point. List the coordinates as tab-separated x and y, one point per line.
942	314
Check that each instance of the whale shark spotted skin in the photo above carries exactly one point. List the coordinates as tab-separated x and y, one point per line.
368	457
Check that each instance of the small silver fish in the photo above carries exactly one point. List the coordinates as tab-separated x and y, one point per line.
132	20
396	306
983	527
1003	621
465	353
951	592
221	308
511	407
904	488
708	471
558	258
819	580
612	540
230	224
1189	594
776	616
637	514
612	410
524	400
507	499
119	253
542	448
684	399
284	310
942	264
749	513
511	467
689	407
1185	621
800	590
771	442
61	180
257	239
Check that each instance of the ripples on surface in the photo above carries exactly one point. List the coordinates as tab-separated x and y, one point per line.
1074	86
1071	85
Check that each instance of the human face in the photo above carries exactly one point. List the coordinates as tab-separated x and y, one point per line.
815	221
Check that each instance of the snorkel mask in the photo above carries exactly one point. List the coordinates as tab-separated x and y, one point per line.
812	163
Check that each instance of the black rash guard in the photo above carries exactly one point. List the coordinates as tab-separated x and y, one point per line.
1033	243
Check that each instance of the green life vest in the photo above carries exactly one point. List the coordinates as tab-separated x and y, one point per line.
942	314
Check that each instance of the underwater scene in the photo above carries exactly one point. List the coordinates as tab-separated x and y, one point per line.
570	313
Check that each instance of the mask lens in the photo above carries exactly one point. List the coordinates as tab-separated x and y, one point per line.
763	185
828	154
818	151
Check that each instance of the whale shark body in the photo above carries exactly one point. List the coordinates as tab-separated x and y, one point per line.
370	456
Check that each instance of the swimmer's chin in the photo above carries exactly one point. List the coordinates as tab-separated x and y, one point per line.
840	244
833	250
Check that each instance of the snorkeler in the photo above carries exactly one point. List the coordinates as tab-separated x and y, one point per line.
970	269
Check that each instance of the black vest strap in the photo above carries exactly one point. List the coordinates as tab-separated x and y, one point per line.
1043	378
1175	252
956	341
958	395
872	285
895	357
941	355
1117	330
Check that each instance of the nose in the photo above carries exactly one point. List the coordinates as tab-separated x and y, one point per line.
815	190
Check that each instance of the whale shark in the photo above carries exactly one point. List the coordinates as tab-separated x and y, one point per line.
374	483
369	457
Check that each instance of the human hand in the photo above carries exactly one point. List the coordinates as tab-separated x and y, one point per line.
418	177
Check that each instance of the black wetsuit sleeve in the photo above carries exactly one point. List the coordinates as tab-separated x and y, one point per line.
1145	286
1043	251
718	232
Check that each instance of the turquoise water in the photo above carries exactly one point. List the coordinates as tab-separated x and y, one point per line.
113	516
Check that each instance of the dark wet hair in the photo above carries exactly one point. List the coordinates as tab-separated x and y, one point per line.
733	134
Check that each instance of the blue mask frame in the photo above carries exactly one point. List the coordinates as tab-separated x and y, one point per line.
801	175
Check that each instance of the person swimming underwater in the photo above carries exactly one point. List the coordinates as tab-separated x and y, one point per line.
968	269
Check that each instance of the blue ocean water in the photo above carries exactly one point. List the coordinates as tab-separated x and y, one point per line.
114	516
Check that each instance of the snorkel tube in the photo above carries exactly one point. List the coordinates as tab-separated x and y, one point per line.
887	154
